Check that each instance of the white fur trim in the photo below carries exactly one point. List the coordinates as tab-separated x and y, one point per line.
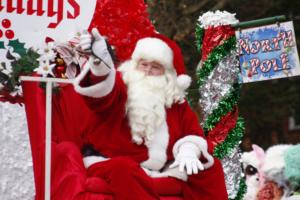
202	148
98	90
274	157
167	172
90	160
274	163
253	185
157	149
217	18
184	81
127	66
175	173
153	49
249	158
98	70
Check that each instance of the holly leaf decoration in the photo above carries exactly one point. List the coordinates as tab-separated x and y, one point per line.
18	46
23	66
2	45
26	64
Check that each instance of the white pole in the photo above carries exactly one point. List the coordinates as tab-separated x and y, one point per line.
49	82
48	140
44	79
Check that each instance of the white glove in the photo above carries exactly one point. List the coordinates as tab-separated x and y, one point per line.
85	41
100	50
101	60
187	158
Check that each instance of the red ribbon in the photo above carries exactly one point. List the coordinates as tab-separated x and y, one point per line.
224	126
213	37
6	97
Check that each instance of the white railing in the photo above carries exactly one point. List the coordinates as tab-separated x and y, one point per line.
49	84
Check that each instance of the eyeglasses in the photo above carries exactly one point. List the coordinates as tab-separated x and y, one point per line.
151	68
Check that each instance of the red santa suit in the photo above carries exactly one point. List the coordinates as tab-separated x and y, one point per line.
105	93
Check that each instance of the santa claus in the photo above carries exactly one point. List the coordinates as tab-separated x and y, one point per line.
142	126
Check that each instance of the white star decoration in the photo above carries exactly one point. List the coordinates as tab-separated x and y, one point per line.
46	59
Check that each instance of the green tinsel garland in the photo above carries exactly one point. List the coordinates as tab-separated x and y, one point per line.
242	190
226	105
233	138
214	58
199	37
22	66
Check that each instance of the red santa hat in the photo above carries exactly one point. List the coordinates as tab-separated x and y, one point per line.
165	51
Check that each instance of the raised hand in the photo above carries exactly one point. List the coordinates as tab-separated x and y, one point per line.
85	42
100	49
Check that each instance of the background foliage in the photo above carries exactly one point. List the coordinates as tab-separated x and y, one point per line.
267	105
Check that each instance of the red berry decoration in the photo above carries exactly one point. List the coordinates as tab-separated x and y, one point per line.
1	33
9	34
49	39
6	23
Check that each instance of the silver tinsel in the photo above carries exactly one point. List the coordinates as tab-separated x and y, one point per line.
218	84
216	87
233	171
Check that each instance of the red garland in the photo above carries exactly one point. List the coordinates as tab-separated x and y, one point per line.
123	22
213	37
225	125
6	97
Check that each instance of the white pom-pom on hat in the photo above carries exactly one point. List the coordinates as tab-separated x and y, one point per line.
184	81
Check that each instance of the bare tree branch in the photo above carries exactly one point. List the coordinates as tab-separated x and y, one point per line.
194	8
221	4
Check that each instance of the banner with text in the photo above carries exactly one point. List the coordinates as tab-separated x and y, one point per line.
268	52
28	23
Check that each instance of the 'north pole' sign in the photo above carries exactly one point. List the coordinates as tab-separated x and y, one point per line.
268	52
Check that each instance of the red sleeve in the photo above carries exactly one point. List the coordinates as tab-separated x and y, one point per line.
191	125
116	99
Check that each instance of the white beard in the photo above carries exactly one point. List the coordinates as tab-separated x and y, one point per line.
148	97
145	105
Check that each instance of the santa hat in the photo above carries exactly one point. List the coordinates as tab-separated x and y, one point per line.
165	51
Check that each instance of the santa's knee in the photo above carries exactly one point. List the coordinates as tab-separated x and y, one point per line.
67	150
215	171
123	166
